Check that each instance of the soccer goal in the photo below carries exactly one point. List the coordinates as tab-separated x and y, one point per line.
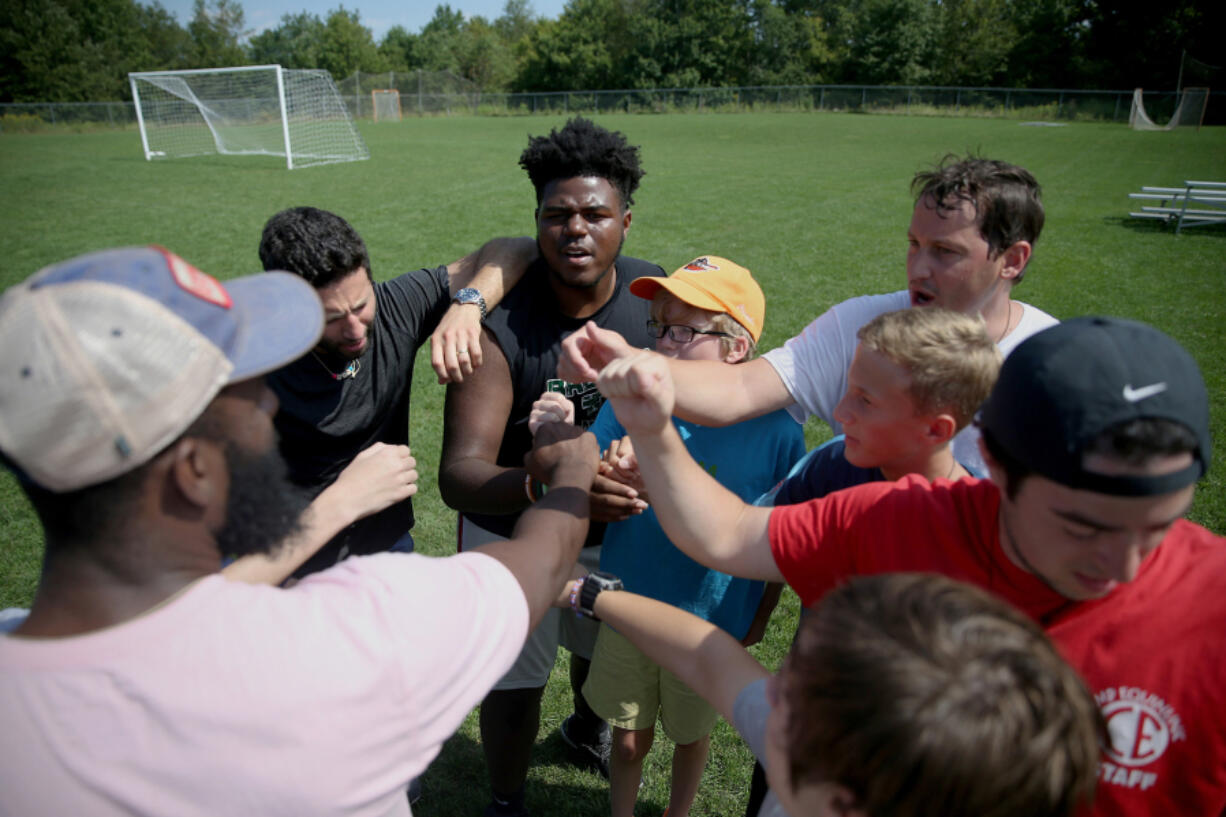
257	110
386	105
1189	111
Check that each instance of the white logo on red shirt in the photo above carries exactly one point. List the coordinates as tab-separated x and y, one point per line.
1141	726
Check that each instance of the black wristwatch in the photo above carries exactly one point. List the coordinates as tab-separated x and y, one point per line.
468	295
593	585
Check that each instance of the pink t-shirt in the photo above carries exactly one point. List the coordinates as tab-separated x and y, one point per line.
245	699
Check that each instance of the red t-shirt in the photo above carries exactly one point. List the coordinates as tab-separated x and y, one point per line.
1153	652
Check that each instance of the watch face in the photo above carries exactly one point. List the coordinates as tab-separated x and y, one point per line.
468	295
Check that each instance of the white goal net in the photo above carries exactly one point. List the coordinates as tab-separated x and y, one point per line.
262	110
1189	111
386	105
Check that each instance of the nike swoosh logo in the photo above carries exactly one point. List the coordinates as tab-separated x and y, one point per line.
1136	395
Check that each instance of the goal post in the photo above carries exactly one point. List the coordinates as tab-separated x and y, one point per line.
1189	111
385	104
252	110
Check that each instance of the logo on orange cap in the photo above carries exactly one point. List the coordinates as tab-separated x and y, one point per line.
700	265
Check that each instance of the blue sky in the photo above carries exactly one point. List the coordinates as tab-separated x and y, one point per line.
377	15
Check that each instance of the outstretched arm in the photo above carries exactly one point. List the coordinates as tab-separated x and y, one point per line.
379	477
493	270
707	659
541	552
705	520
708	392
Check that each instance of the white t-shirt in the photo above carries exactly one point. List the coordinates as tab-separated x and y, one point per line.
749	713
238	699
813	365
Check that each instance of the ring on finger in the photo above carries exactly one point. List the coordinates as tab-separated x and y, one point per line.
461	351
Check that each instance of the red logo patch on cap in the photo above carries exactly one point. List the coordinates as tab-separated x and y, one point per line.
701	265
201	284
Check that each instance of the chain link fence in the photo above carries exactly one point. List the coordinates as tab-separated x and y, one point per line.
425	93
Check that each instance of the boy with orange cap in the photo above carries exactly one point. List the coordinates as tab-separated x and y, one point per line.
709	309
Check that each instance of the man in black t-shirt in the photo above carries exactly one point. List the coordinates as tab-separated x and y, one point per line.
585	178
351	392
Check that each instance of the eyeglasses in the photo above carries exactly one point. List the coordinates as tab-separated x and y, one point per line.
679	333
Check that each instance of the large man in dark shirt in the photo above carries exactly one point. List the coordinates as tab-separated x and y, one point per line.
585	178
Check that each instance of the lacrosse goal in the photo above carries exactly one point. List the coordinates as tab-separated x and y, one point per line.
386	105
1189	111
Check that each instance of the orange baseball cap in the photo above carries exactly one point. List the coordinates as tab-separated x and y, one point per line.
715	284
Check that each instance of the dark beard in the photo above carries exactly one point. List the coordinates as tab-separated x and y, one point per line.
264	508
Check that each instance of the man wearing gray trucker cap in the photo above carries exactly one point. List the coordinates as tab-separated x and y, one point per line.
134	412
1094	436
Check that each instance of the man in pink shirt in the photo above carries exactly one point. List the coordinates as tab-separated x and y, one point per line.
134	411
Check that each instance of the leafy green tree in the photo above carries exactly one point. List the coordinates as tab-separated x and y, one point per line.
577	51
438	45
517	22
886	42
690	43
296	43
1137	44
787	48
399	49
974	41
484	57
1049	51
164	44
216	30
348	46
79	51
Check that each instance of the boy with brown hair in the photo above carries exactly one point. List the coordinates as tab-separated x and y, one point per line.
905	694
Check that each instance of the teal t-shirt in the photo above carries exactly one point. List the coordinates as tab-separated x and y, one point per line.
747	458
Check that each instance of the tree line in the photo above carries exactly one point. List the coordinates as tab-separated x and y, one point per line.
82	50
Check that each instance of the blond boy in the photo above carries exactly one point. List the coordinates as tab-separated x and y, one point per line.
917	378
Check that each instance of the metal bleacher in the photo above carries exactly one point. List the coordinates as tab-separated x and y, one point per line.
1195	204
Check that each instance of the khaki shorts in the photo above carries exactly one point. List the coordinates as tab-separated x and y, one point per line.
531	669
628	689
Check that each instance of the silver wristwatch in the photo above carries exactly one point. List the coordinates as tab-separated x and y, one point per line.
468	295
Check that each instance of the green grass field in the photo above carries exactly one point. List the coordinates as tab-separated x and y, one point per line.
816	205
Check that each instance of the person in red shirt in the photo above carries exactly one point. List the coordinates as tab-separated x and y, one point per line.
1094	436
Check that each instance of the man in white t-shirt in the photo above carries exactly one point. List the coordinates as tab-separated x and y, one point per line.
134	412
971	236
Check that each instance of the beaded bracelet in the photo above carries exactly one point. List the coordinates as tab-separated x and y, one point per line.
575	588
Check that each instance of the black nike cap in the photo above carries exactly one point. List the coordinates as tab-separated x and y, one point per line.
1061	388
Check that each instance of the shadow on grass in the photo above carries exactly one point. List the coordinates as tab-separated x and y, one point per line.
456	784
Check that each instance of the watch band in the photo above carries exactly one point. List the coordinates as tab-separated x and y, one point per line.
593	585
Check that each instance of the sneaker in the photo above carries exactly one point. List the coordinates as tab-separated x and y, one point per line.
595	753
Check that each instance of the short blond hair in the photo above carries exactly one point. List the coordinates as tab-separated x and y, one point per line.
949	357
720	322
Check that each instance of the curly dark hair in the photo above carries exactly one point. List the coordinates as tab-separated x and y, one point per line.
1006	197
583	148
319	246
